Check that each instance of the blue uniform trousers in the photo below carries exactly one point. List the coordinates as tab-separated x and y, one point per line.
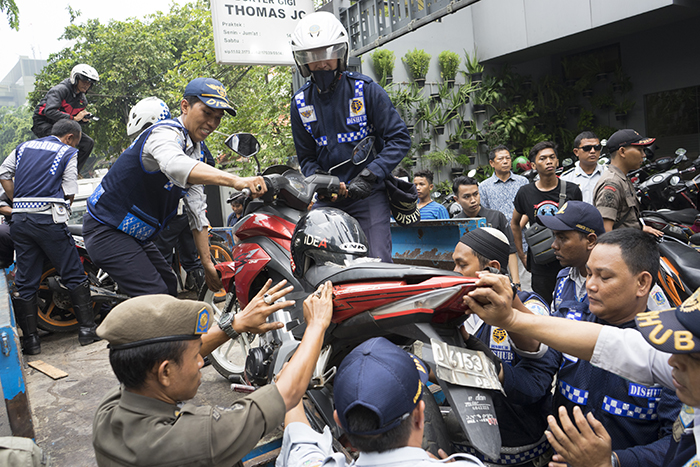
178	232
138	268
36	239
373	214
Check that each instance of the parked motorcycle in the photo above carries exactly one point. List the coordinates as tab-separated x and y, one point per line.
412	306
679	270
668	188
55	312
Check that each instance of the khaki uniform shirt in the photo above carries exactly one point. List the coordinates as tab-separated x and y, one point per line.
616	199
134	430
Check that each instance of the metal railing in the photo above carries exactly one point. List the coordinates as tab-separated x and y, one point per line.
372	23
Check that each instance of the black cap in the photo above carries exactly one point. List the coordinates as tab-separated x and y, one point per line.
622	138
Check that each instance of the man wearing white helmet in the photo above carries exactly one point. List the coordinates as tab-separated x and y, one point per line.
145	113
332	112
67	100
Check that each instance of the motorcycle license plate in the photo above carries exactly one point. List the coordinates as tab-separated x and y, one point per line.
464	367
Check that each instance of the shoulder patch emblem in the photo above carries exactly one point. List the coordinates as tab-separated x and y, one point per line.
308	114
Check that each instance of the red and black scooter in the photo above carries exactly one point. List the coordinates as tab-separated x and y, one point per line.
413	306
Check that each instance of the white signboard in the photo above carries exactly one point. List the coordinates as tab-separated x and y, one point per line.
256	32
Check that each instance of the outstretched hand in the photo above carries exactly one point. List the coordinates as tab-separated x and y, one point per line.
254	316
492	299
587	444
318	307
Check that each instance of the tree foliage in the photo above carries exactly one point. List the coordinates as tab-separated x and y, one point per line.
15	128
12	12
158	56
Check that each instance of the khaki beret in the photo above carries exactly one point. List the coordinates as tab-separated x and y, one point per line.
149	319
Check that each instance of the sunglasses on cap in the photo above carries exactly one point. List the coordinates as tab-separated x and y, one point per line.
588	148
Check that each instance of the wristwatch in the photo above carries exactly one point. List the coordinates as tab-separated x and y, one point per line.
226	324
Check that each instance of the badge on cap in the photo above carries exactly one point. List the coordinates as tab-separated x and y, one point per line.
202	321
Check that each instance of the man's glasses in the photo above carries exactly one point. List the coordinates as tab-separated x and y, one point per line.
588	148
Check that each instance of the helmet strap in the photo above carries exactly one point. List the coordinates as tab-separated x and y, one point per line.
325	80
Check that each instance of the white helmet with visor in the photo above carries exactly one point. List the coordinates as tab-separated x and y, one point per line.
319	36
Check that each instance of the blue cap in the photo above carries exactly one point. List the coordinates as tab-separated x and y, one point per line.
381	377
575	215
211	92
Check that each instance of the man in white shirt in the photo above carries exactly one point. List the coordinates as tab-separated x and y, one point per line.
586	171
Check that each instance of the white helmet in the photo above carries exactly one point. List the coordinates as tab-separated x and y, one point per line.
84	72
145	113
319	36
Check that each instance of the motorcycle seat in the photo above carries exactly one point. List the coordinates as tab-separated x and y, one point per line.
367	272
683	216
685	259
75	229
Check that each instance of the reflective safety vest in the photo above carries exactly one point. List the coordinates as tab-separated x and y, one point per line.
131	199
39	168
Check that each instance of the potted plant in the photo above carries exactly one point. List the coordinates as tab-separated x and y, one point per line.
449	65
440	158
474	68
465	160
439	118
383	62
418	62
621	82
405	100
424	144
623	108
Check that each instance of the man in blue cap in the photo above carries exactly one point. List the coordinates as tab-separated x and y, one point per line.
577	226
141	192
377	395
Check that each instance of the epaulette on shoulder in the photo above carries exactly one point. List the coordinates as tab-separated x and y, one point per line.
356	75
571	170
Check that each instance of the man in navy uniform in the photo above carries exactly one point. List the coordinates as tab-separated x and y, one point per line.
331	113
45	181
525	368
141	192
640	417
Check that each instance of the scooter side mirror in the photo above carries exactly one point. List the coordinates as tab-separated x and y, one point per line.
360	153
243	144
362	150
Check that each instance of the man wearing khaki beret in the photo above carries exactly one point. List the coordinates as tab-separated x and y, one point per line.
156	347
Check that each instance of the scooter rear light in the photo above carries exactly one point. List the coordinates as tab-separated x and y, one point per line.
427	300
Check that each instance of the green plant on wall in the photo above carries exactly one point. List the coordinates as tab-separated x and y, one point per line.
472	63
440	158
383	62
624	107
449	65
418	62
405	100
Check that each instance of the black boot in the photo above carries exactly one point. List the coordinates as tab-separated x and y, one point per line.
195	279
82	308
25	313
